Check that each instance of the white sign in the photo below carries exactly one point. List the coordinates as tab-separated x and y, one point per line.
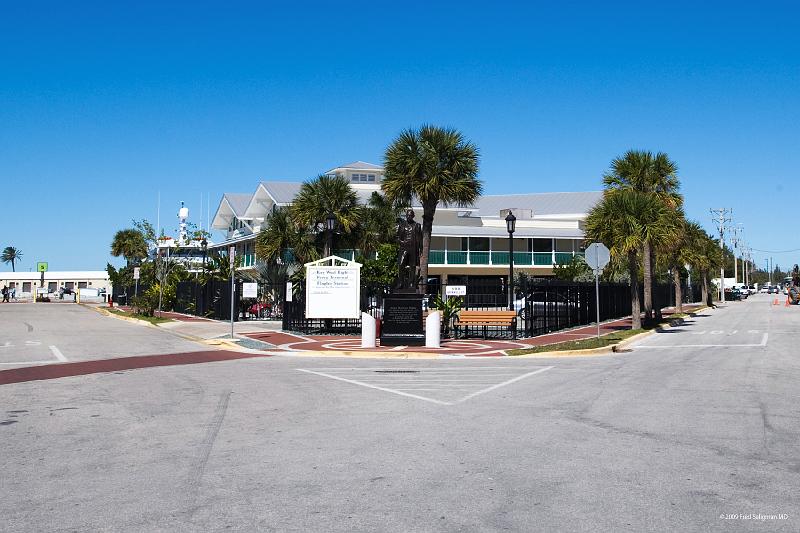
289	288
597	256
333	291
249	290
136	272
455	290
41	291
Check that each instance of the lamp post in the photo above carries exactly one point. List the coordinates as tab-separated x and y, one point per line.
330	225
511	223
204	246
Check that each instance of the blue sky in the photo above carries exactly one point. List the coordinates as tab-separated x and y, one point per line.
102	106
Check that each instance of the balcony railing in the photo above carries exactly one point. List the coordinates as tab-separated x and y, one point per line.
459	257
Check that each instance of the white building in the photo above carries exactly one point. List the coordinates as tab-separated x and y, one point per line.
466	242
26	283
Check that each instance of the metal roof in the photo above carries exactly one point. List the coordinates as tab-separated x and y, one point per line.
238	202
283	192
542	204
359	165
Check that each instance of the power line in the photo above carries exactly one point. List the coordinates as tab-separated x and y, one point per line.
776	251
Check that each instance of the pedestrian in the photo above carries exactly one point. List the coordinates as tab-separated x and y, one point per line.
14	293
5	293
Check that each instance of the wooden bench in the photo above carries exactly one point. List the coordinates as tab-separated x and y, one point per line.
485	319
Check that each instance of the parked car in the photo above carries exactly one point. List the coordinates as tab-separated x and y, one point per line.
733	294
742	290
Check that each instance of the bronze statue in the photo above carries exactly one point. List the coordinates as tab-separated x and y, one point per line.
409	236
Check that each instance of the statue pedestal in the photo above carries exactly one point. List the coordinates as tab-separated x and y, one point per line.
402	319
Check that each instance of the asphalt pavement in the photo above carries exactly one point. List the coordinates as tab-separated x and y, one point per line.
694	429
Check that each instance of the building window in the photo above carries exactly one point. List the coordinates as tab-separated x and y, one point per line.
542	245
362	178
26	286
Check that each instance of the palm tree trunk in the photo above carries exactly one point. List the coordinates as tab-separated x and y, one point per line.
648	281
676	279
704	288
12	265
656	305
633	269
429	210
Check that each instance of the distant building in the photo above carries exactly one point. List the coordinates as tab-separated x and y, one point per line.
467	243
26	283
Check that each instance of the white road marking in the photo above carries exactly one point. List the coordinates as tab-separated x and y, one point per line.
439	387
503	384
398	348
698	332
763	342
356	382
752	331
27	363
58	355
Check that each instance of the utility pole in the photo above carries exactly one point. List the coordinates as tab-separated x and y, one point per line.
721	216
735	242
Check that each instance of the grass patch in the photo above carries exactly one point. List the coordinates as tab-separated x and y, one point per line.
150	319
588	344
583	344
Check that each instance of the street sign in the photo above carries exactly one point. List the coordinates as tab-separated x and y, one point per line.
249	290
41	267
136	272
597	256
455	290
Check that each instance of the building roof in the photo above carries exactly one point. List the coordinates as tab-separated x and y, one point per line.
542	204
238	202
359	165
283	192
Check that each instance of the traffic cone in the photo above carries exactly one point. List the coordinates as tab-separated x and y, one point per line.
775	302
787	304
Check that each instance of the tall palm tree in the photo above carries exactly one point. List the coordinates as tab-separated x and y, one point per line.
655	175
131	244
431	165
11	255
624	220
326	195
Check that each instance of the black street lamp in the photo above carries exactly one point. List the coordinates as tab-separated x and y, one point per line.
330	225
511	224
204	246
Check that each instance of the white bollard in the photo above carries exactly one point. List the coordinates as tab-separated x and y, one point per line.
367	331
433	336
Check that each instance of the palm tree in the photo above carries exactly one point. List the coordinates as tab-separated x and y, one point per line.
130	244
326	195
655	175
11	255
624	220
682	250
431	165
379	224
283	240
